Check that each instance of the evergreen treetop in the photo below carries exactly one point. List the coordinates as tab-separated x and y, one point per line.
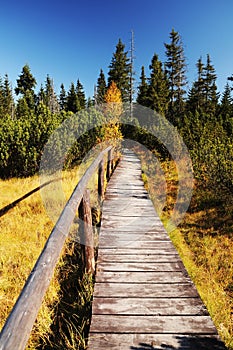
120	71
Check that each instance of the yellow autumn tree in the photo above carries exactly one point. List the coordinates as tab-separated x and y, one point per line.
112	111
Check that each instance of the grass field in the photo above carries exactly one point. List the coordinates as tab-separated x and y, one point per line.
24	231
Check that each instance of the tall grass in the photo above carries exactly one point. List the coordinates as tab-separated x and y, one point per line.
24	231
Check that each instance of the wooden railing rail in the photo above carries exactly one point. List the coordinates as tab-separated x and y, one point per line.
18	326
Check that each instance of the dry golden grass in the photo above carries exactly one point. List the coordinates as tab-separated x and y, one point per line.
24	231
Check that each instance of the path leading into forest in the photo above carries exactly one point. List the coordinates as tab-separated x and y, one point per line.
143	297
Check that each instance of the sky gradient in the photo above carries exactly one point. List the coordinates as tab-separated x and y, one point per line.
73	39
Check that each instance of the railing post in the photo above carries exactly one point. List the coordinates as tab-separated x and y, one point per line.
101	180
109	165
87	234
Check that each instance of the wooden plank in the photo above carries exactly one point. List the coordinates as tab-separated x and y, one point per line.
141	277
139	266
110	243
137	252
132	236
155	290
153	324
136	258
155	341
148	306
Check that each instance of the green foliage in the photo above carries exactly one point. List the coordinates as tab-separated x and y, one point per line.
101	88
158	92
175	67
203	96
6	98
119	71
142	97
22	141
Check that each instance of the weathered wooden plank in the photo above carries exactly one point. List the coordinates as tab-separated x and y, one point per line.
155	290
153	324
148	306
132	236
137	224
141	277
111	243
139	266
137	252
154	341
149	258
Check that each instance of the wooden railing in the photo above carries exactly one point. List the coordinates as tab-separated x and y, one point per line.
18	326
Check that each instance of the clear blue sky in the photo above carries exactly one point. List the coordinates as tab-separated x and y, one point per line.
73	39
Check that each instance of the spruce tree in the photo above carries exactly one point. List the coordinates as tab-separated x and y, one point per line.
51	100
62	98
175	69
210	88
142	97
101	88
25	86
226	110
227	101
203	96
195	101
80	95
26	81
158	91
72	100
41	97
8	100
120	70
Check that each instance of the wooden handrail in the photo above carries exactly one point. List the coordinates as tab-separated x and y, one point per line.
18	326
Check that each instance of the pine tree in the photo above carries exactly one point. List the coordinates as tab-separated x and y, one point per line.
210	88
142	97
120	70
158	91
195	101
203	96
62	98
26	81
7	97
101	88
41	97
227	101
226	110
25	86
72	100
175	69
51	100
80	95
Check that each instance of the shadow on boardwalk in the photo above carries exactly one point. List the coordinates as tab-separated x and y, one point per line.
185	343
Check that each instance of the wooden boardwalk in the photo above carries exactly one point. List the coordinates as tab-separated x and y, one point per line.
143	297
